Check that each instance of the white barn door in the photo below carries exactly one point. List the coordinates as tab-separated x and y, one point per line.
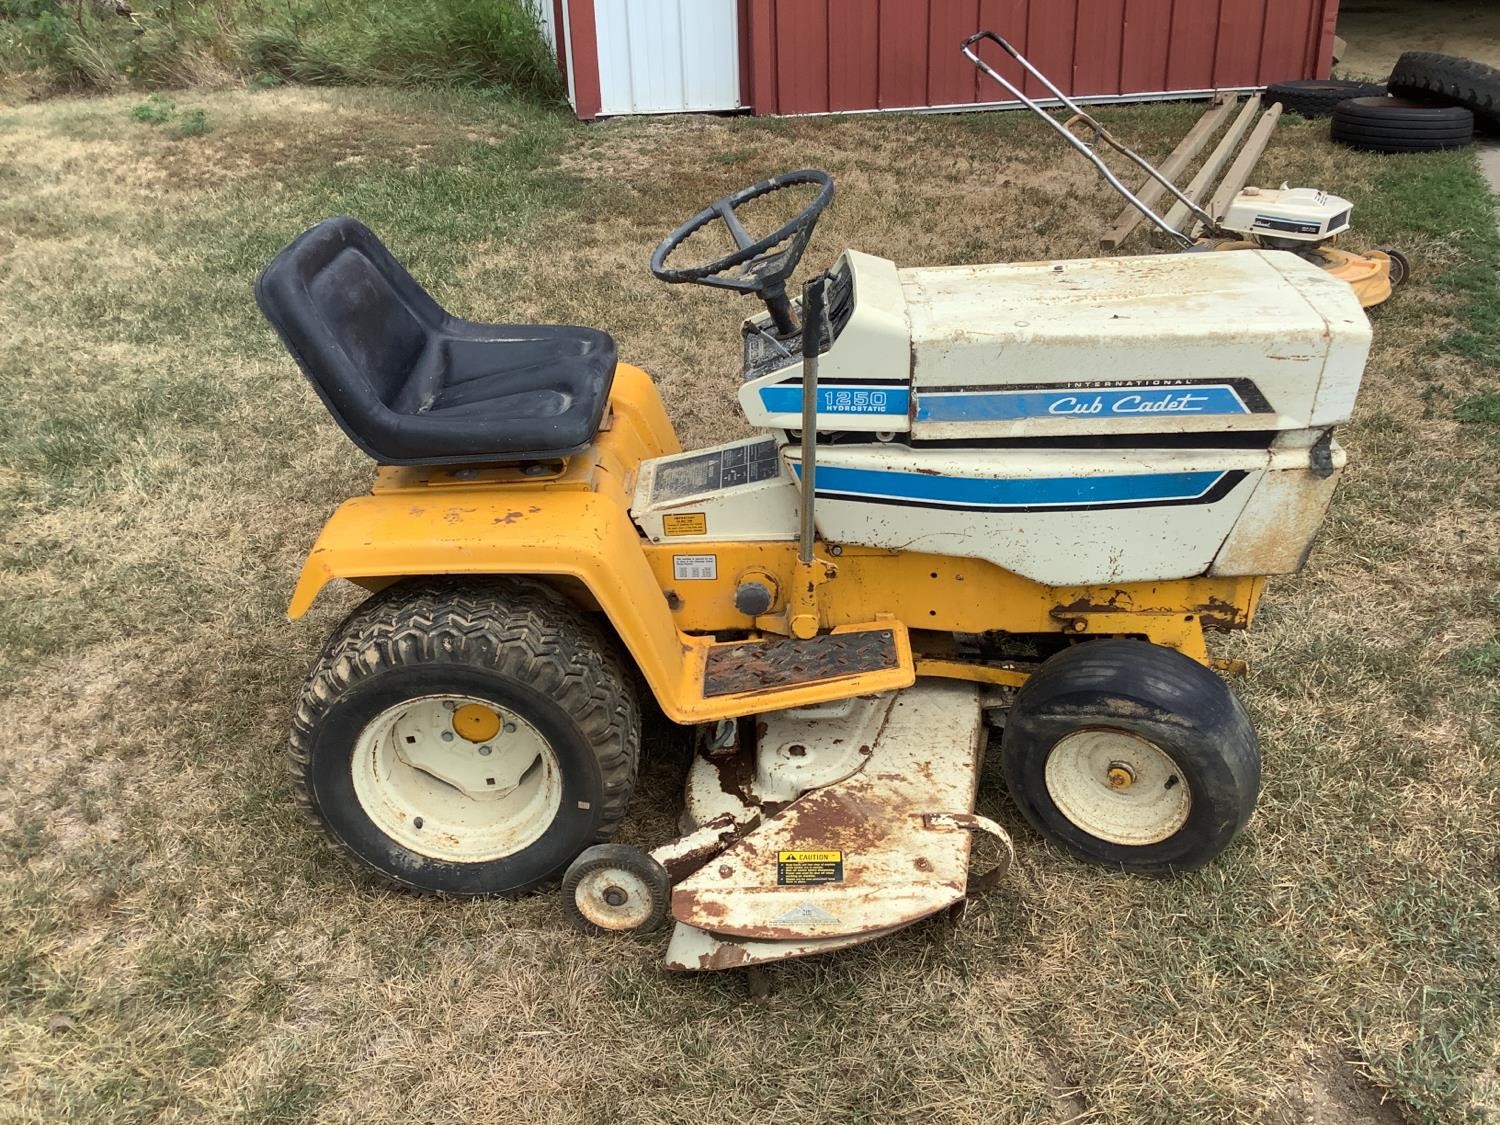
668	56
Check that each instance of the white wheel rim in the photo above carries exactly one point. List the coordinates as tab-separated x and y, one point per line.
1117	786
614	899
447	795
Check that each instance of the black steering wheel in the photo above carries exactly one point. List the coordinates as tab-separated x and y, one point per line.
762	266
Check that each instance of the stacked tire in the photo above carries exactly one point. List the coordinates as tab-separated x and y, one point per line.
1389	124
1433	103
1430	103
1449	80
1319	98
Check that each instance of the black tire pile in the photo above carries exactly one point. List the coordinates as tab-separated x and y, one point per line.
1431	102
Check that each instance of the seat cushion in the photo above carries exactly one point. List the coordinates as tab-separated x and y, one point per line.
411	384
548	384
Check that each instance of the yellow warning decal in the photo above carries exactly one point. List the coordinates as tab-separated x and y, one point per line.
685	523
807	868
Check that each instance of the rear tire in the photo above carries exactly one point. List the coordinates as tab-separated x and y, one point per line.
466	738
1398	125
1131	755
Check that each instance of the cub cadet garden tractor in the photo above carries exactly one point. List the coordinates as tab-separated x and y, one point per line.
1015	493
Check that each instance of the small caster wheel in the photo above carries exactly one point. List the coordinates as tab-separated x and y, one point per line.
613	888
1400	266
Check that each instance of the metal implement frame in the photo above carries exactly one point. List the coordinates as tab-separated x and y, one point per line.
1087	148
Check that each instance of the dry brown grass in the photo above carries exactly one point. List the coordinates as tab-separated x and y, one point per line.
175	944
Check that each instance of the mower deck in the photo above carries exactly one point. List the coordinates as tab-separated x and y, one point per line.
875	846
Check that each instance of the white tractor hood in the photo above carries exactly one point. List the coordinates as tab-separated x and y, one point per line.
1202	342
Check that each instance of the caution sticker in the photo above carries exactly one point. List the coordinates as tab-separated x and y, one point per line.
685	523
805	869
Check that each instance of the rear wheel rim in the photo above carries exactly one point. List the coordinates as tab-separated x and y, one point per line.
427	778
1117	786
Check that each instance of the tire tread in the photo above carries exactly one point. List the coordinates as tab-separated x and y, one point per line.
1465	82
521	629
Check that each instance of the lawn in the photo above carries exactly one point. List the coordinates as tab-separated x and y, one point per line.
177	944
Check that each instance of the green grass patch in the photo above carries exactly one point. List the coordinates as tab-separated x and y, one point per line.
160	110
155	110
1444	197
1481	660
1484	409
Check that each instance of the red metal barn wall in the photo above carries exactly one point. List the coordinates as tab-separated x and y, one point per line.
819	56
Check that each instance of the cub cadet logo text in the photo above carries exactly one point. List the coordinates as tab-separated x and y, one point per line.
1169	403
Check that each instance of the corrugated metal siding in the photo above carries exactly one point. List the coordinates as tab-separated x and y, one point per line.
817	56
543	11
666	56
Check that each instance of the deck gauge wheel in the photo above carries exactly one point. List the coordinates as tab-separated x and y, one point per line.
614	888
1131	755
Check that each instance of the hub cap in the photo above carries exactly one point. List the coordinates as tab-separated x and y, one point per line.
614	899
1117	786
456	778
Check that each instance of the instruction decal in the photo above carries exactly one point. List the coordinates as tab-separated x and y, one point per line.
678	478
806	869
685	523
695	568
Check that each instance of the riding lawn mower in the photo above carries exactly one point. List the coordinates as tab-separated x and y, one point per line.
1015	495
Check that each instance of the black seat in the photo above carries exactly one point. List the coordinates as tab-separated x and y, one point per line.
412	385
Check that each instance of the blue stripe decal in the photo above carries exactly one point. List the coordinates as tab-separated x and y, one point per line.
787	399
1039	492
1112	402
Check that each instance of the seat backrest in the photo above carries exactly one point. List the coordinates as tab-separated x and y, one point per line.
352	317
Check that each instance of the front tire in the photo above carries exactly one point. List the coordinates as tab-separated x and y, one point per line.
1131	755
466	738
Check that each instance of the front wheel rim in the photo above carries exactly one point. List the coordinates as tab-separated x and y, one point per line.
1117	786
457	778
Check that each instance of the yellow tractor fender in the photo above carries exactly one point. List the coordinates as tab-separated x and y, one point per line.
574	538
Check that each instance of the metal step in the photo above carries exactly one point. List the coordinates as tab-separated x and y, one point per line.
784	662
748	677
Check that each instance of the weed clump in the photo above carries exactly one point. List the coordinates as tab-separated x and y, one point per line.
160	110
92	46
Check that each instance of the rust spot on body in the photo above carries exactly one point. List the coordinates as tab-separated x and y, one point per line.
724	957
694	905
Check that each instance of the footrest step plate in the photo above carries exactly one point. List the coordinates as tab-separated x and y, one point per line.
785	662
